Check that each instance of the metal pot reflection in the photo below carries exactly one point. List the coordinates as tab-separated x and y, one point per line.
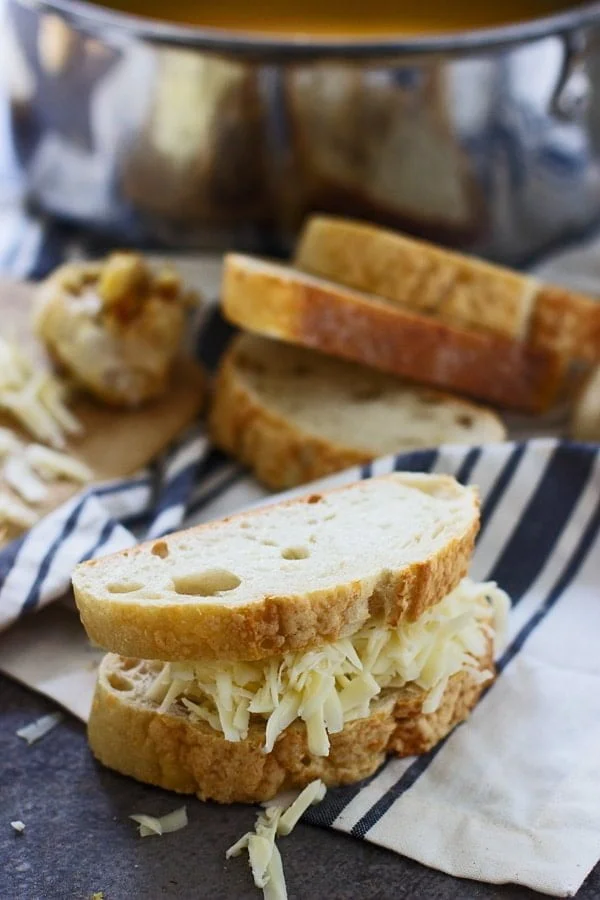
487	141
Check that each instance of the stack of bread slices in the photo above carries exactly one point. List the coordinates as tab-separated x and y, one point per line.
372	343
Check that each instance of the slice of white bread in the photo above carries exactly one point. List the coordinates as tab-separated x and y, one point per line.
284	577
282	302
458	289
127	733
585	422
294	415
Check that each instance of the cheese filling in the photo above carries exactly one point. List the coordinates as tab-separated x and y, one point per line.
335	684
35	398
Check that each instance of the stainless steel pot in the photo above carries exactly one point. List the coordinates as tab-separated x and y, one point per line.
486	140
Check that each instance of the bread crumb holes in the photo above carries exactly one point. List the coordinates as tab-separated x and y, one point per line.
128	664
119	682
295	553
206	584
123	587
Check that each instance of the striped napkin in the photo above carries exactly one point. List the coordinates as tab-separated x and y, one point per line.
511	796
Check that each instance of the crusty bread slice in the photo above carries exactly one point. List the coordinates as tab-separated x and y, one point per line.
458	289
585	422
284	577
294	415
127	733
282	302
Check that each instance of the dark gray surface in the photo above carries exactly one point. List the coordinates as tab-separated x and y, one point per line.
79	839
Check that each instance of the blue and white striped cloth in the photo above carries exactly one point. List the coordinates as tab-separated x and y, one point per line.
514	795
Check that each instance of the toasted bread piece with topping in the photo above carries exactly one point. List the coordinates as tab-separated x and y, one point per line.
115	326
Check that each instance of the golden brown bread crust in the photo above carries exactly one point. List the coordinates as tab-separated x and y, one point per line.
585	419
422	277
181	631
567	322
259	630
168	750
458	289
280	453
286	304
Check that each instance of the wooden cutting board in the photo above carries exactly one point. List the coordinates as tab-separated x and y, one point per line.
115	443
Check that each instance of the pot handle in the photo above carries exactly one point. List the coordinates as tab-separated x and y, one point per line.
572	93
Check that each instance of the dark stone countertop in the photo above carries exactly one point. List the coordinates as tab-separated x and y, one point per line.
78	838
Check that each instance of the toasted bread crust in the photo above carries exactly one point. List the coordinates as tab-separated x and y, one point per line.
168	750
286	304
276	624
585	421
279	624
458	289
418	275
567	322
280	453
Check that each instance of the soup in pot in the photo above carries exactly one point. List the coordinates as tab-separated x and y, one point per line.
356	18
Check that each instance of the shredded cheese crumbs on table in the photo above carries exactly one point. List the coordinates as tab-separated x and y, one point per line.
263	854
328	687
151	825
19	476
9	442
34	398
36	401
26	470
12	512
40	727
52	464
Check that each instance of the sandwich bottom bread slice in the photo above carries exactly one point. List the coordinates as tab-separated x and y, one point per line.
294	415
243	731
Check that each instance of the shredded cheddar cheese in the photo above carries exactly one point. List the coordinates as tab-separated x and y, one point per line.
263	855
328	687
33	397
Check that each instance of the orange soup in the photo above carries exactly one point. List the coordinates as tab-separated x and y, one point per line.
356	18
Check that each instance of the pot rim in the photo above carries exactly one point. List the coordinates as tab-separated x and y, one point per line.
98	20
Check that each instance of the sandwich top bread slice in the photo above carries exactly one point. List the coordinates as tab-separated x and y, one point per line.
285	577
455	288
282	302
294	415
